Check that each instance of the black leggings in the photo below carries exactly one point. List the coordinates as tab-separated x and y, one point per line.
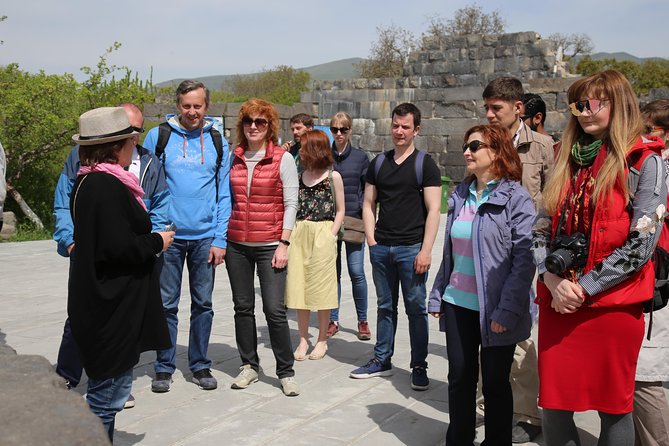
560	429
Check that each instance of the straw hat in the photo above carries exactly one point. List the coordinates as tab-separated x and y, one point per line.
104	124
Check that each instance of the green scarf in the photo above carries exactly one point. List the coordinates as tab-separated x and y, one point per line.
584	155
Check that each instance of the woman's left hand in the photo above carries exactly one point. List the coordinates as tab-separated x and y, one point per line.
497	327
280	258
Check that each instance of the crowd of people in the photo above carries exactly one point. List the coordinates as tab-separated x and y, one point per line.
545	267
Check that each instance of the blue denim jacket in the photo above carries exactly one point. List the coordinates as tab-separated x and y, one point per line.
501	239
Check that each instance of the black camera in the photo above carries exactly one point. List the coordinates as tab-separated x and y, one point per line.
569	251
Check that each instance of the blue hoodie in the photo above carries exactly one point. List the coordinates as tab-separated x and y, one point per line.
190	168
151	178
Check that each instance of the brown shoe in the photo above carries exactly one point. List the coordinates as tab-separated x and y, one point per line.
333	328
363	331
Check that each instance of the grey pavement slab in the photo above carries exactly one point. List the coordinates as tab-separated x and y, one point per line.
332	409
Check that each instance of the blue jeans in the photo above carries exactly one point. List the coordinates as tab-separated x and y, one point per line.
355	260
392	266
106	397
201	281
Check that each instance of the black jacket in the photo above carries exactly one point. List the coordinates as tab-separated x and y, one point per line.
114	302
352	165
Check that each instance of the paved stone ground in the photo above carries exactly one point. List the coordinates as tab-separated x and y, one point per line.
333	409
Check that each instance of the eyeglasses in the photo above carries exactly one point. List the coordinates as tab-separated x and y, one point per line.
138	129
335	130
473	146
592	105
260	123
653	129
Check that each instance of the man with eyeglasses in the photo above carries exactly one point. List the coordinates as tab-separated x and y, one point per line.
197	178
503	102
151	176
299	125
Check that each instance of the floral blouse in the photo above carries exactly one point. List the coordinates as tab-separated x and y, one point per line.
316	203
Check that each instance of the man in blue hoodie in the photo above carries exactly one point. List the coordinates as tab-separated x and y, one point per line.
197	178
151	175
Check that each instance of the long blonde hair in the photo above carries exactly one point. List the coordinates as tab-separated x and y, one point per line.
625	127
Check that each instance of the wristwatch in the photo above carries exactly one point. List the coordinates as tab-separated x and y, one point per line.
284	242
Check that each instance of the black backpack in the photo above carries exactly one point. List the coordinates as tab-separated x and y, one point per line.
164	132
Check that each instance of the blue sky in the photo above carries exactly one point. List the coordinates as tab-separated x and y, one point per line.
228	37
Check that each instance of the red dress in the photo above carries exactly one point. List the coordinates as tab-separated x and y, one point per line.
587	359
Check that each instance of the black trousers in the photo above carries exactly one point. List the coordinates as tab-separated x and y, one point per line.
241	262
463	338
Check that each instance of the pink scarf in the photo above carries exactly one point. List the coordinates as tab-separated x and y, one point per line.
127	178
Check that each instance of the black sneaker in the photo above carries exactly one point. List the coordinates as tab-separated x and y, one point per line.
524	432
161	383
419	379
204	380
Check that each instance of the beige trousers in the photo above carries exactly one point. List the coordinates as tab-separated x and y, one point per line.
651	414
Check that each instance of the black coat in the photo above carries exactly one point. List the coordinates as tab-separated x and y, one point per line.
114	302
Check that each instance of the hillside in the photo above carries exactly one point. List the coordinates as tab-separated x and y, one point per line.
338	69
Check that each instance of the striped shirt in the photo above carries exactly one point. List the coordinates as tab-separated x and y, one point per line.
461	289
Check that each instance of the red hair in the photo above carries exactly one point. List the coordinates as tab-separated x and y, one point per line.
316	151
499	139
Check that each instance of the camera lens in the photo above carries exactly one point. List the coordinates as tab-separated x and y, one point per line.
558	261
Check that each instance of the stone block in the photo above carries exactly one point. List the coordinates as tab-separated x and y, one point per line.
382	126
556	121
362	126
372	143
434	94
504	52
435	144
8	225
435	55
405	94
469	80
434	127
462	94
374	83
441	67
426	108
375	110
455	110
450	80
474	40
37	409
460	67
473	54
452	54
487	66
456	172
490	40
486	52
507	65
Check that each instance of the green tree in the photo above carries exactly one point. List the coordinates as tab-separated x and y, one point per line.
643	77
388	53
40	114
281	85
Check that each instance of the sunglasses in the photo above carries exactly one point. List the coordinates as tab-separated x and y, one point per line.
335	130
653	129
473	146
138	129
592	105
260	123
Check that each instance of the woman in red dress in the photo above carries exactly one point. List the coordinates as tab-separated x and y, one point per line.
592	248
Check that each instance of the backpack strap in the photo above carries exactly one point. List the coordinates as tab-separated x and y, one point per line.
164	132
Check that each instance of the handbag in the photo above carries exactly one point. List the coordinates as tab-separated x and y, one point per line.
340	233
354	230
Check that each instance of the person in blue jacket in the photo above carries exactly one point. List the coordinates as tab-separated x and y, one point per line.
198	181
482	289
151	175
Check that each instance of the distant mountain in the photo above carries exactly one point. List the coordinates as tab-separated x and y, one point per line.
339	69
621	56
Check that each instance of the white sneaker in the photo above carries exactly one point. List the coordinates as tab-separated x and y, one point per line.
290	386
246	377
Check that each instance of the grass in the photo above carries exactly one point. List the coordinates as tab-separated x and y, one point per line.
27	232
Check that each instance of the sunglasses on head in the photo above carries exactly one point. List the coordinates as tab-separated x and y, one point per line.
473	146
653	129
259	122
592	105
138	129
335	130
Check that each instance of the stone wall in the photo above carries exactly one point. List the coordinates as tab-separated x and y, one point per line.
446	82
